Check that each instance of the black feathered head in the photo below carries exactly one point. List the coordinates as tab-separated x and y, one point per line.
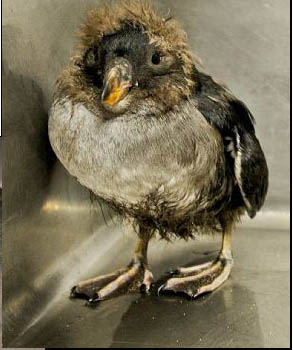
126	53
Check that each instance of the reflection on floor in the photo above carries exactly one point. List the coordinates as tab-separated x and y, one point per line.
250	310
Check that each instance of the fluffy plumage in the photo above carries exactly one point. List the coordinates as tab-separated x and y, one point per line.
137	122
107	20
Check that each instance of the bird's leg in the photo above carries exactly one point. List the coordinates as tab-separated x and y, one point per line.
135	276
196	280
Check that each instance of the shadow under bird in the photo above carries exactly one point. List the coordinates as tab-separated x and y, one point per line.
137	122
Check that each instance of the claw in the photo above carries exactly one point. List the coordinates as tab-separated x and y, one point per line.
161	288
192	295
144	289
173	272
200	279
73	292
95	299
106	286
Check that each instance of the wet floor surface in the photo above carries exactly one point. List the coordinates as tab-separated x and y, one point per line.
250	310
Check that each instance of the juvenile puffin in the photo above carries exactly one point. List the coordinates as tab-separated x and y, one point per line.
138	123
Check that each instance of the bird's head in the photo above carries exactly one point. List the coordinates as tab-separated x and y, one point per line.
127	53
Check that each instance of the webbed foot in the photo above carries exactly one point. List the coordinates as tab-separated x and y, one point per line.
196	280
136	276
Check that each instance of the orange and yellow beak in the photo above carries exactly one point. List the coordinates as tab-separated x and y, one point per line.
117	83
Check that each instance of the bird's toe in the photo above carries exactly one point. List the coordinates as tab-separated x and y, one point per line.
73	293
200	280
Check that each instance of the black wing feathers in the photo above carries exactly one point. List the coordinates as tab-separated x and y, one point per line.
236	124
251	171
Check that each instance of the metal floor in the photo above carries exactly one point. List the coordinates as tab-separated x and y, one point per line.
53	235
250	310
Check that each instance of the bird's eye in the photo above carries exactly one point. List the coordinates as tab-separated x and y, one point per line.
91	57
156	58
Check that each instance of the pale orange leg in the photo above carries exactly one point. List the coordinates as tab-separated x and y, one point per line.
136	275
196	280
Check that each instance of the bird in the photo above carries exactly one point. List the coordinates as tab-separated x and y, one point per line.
137	121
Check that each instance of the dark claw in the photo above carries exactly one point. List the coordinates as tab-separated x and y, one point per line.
94	300
145	290
161	288
192	295
173	272
73	292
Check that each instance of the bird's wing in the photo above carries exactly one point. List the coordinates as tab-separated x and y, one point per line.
236	125
250	170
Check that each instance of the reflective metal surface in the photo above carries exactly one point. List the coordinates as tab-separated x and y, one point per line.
54	235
